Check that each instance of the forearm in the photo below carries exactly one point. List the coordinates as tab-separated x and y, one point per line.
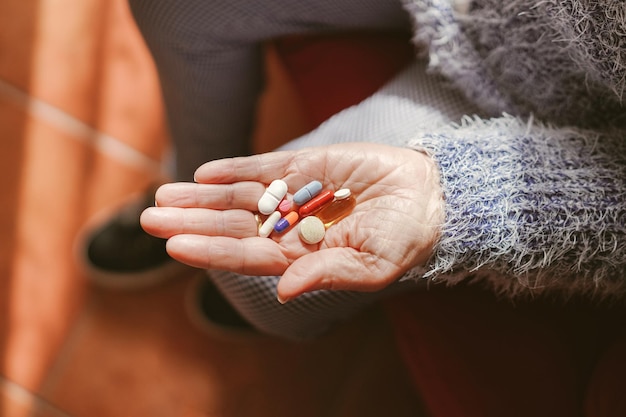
531	206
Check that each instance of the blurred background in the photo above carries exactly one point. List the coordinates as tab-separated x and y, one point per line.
82	127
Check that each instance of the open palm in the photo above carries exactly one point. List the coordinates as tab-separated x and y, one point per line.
394	226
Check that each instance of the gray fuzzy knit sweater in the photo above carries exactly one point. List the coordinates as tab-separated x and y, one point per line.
535	192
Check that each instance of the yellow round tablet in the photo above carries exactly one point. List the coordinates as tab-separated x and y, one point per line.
311	230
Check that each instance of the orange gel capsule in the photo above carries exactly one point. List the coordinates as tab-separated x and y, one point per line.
259	221
341	206
316	203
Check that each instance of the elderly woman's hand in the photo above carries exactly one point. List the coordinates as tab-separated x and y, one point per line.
393	227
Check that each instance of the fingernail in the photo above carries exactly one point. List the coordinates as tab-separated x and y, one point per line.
282	300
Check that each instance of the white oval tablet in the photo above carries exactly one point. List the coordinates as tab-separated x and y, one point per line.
311	230
267	226
272	196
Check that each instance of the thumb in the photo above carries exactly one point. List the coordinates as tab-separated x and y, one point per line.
330	269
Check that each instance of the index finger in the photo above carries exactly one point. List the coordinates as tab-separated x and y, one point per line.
243	195
263	168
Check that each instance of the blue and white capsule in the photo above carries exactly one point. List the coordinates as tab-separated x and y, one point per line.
307	192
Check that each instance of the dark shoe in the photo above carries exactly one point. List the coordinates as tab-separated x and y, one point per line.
117	253
211	312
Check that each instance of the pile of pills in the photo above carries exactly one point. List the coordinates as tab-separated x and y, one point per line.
316	209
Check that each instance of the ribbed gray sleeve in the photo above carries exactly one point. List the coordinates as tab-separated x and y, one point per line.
530	206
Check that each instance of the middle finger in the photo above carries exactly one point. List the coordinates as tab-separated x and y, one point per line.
165	222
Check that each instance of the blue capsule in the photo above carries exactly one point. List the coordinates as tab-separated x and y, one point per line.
307	192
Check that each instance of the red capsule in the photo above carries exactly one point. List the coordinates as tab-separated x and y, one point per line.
316	203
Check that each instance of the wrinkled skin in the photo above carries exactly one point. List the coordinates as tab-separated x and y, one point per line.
394	226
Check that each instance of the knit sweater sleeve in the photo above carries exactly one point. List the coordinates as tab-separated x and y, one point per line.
530	206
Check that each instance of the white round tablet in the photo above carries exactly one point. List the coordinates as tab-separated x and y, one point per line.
342	193
311	230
